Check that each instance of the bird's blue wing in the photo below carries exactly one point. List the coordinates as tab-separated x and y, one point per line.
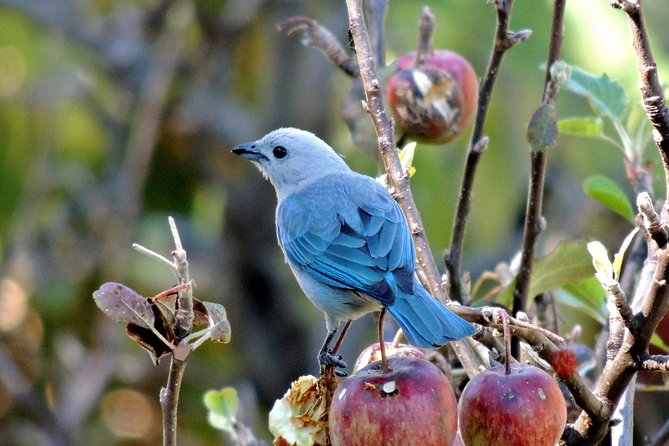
347	232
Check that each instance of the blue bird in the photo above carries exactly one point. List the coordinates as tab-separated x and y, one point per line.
347	241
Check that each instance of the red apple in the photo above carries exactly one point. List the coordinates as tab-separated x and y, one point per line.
435	101
413	404
522	407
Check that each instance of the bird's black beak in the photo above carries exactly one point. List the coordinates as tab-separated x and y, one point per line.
248	151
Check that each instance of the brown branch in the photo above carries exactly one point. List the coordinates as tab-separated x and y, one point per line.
652	223
313	34
583	396
652	94
618	373
652	295
533	223
546	112
169	401
533	226
425	31
503	41
398	178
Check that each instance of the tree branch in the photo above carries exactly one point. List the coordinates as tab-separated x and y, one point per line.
313	34
503	41
169	401
652	294
619	371
652	223
546	124
398	178
425	31
652	94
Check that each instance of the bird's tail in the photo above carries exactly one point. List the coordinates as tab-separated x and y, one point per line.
426	322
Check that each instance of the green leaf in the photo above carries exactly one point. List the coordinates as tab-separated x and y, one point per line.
568	263
618	257
586	296
406	157
606	96
601	262
657	341
607	193
218	322
542	130
222	406
589	127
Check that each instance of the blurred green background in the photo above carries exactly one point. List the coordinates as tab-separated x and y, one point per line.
115	114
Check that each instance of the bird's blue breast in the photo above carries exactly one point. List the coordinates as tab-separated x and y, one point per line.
346	231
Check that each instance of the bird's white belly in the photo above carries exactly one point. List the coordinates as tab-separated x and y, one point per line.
337	303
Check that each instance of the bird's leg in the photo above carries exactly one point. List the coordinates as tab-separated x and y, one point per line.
328	358
340	340
382	343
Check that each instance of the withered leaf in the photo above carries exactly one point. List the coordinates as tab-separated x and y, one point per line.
218	322
148	340
200	312
123	304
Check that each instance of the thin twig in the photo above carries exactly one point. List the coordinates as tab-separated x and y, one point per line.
148	252
618	373
313	34
398	178
503	41
652	93
532	228
425	31
183	324
169	401
533	218
653	292
651	220
184	314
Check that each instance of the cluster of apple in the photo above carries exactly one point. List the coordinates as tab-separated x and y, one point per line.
432	101
414	403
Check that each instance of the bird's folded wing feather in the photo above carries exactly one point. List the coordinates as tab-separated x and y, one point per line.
349	233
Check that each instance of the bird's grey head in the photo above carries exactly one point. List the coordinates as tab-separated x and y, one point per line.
291	158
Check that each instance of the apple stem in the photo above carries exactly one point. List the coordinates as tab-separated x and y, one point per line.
382	343
507	341
340	339
426	29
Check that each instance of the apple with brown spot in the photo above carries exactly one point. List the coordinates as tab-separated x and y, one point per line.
516	406
433	101
412	404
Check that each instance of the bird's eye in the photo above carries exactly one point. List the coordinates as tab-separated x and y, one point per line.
279	152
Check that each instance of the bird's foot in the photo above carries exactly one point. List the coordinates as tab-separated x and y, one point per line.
329	362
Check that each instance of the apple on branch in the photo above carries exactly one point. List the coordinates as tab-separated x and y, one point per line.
435	100
412	404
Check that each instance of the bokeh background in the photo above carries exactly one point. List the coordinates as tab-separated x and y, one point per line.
115	114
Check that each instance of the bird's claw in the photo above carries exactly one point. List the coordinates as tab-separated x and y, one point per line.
328	360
